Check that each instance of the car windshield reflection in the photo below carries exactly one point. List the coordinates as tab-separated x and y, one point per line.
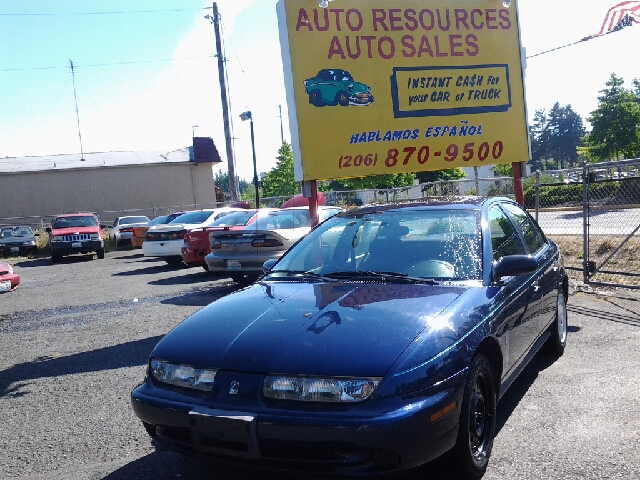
427	244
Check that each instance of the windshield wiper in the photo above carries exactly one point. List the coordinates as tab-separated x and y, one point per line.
306	275
394	276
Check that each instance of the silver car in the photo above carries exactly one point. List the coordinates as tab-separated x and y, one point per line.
242	253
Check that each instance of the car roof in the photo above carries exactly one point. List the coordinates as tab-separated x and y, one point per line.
78	214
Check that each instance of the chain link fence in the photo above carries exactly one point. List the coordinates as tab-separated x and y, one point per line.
592	213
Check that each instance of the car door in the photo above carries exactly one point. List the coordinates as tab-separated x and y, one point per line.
547	276
517	293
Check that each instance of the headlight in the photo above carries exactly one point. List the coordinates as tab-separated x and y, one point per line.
31	243
56	238
319	389
182	375
95	236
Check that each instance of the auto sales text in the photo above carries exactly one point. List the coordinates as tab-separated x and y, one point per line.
451	32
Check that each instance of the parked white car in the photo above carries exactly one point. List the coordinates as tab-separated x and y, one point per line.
122	228
166	241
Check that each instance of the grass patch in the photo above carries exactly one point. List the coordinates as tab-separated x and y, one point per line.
623	266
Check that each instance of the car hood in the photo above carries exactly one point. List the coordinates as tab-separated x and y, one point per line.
333	329
74	230
16	240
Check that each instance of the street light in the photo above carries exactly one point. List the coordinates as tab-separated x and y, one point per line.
247	116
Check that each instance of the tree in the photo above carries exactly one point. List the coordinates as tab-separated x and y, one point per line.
280	181
555	137
615	123
372	182
440	175
221	179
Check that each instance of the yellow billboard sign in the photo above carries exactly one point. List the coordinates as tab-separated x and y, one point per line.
389	86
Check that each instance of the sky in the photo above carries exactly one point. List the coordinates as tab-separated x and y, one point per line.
146	77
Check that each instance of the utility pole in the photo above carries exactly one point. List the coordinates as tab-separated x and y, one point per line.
73	77
233	184
281	129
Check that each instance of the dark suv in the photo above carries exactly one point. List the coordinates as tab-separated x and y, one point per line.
75	233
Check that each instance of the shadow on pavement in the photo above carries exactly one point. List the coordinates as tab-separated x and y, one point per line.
129	354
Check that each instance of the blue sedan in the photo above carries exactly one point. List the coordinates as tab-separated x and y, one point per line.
381	340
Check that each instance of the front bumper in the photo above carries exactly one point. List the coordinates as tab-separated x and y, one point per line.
84	246
6	250
375	437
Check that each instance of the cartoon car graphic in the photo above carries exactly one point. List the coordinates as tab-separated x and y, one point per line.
333	87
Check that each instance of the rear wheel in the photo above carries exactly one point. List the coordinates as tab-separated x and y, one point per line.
477	420
174	261
315	98
558	329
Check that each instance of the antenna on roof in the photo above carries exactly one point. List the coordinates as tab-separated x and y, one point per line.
73	76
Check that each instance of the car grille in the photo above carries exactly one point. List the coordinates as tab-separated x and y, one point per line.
76	238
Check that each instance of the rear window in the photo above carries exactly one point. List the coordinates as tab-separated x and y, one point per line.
130	220
193	217
234	219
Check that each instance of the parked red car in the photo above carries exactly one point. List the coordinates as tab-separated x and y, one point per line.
196	241
9	280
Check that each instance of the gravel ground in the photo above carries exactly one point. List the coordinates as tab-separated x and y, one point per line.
75	336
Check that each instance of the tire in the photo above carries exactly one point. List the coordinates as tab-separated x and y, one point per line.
174	261
244	279
100	253
342	98
558	329
315	98
55	257
205	267
477	420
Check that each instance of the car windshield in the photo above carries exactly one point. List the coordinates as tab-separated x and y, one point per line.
435	243
13	232
69	222
193	217
234	219
130	220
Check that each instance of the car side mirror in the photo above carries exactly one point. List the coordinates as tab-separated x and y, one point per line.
47	229
513	265
103	226
266	266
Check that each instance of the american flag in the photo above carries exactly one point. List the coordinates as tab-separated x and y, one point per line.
622	15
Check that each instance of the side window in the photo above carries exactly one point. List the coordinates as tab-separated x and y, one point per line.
533	237
504	238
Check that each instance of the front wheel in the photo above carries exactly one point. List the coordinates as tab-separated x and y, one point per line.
244	279
558	329
100	253
342	98
477	420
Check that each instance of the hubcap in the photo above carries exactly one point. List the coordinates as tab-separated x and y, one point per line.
562	318
478	420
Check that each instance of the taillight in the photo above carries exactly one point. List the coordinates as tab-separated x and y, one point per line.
126	229
267	242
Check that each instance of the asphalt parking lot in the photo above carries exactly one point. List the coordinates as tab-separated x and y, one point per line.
74	338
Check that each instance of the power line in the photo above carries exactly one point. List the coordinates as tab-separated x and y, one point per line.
97	13
133	62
